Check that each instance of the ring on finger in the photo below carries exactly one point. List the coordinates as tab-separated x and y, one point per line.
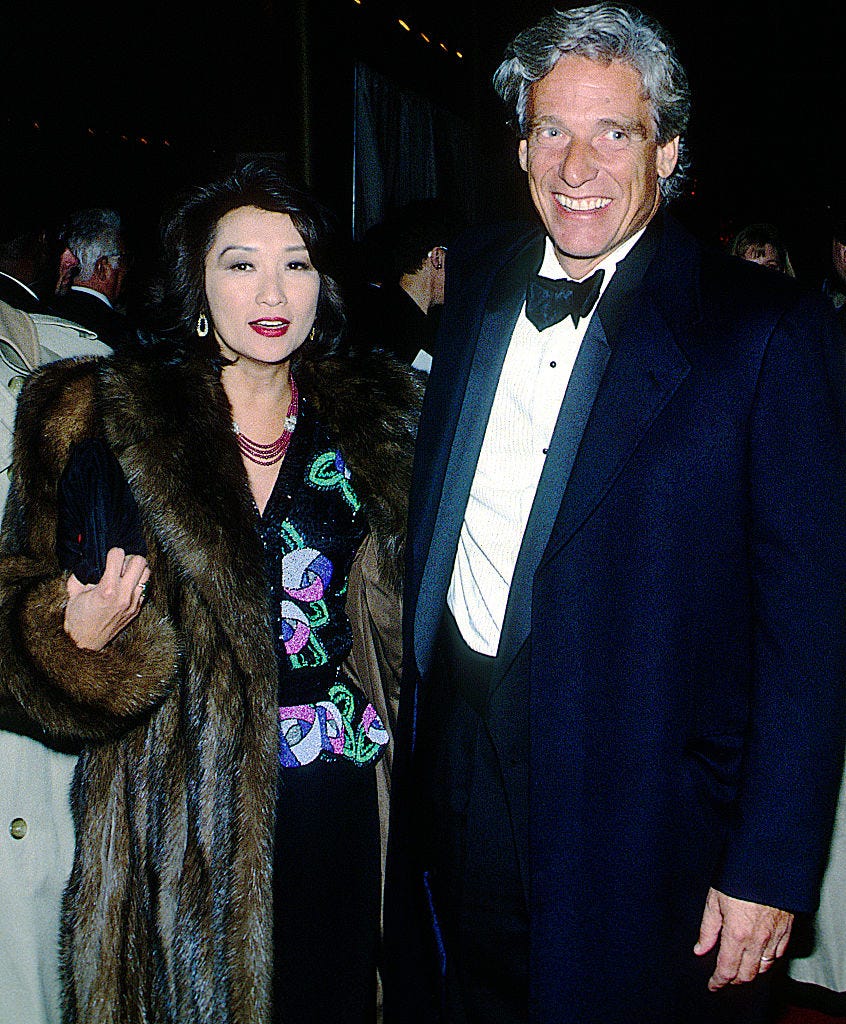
143	589
767	959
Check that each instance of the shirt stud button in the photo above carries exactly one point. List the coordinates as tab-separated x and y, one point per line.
18	828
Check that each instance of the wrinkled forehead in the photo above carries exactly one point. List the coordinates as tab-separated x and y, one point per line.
582	86
629	81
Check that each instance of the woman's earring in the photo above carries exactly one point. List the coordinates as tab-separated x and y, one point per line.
311	333
202	325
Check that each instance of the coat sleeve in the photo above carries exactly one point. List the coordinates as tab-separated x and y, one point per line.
797	507
49	687
374	608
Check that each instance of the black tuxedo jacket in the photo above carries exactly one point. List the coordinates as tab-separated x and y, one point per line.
679	601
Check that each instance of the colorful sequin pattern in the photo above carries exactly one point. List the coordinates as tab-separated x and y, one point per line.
306	575
329	470
311	528
338	727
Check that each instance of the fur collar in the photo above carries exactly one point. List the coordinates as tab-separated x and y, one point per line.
170	427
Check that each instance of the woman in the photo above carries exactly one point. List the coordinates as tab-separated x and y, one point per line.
225	801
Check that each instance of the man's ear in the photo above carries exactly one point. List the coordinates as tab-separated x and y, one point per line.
523	154
68	268
102	267
436	257
666	157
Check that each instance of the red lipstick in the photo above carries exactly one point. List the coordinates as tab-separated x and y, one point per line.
271	328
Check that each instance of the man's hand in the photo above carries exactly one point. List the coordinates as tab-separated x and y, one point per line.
752	937
96	613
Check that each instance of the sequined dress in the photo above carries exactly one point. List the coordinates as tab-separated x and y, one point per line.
326	866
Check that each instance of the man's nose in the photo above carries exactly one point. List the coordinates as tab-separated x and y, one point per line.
578	164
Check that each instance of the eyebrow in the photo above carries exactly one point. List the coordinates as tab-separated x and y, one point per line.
255	248
629	124
544	119
632	125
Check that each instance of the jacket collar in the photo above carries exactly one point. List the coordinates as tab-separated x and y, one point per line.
646	322
171	429
170	426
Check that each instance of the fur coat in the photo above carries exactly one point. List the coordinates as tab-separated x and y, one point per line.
168	915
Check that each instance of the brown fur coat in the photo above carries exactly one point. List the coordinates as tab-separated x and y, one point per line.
168	915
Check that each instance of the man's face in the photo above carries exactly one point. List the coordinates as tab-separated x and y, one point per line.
117	275
838	259
764	255
110	271
592	158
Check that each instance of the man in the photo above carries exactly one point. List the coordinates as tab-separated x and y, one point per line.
36	829
95	238
401	315
620	729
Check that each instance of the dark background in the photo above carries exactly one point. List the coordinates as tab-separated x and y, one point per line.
125	104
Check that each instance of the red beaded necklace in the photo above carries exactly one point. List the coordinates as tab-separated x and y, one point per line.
270	454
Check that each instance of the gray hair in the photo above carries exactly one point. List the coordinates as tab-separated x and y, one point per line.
604	32
90	234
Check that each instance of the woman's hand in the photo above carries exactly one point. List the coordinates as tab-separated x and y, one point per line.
97	612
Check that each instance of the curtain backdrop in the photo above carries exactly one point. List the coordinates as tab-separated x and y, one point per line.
405	148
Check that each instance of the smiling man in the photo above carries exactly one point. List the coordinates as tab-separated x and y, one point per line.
592	158
621	725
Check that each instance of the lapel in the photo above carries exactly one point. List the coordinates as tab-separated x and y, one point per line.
627	369
501	300
644	369
576	406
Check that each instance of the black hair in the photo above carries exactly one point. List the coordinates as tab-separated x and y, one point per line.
187	233
410	232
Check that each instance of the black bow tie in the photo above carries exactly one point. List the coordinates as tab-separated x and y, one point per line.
549	301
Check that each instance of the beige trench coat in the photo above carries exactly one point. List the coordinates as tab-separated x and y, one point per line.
36	829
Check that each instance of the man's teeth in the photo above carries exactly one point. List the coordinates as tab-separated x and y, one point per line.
594	203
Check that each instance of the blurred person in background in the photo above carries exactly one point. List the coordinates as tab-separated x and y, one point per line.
762	243
36	768
399	312
96	254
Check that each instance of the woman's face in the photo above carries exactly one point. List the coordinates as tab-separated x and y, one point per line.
261	286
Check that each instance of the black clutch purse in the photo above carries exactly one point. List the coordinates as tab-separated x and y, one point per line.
96	512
